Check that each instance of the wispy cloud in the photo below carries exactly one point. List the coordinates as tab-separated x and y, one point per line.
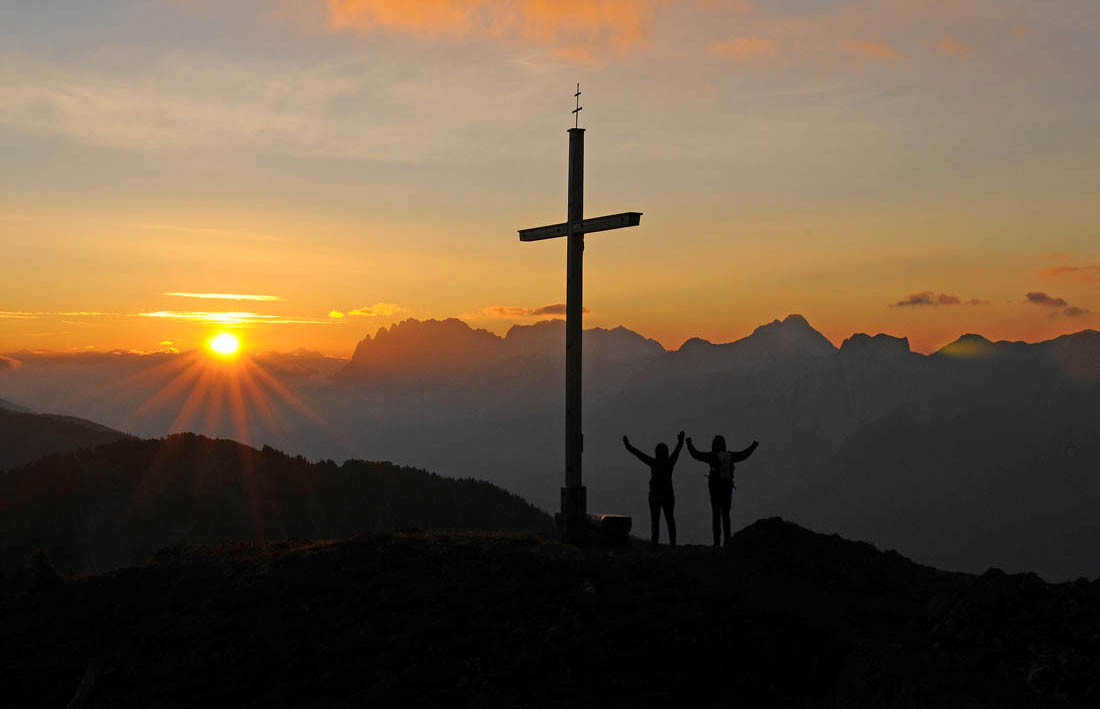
1061	304
1083	274
225	296
871	50
17	315
744	48
562	24
512	312
1047	301
930	299
378	310
952	47
230	318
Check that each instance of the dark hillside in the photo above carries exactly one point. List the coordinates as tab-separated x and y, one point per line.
784	617
6	405
25	437
116	505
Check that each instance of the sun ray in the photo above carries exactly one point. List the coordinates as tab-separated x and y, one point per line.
259	399
214	411
112	392
164	394
285	394
194	401
238	412
222	391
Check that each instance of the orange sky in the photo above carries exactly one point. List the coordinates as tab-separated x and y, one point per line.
918	167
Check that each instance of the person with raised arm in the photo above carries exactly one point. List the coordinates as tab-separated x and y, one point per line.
661	495
720	481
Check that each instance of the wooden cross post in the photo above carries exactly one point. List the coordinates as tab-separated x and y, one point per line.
573	495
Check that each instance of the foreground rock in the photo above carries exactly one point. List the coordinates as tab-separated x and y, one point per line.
784	617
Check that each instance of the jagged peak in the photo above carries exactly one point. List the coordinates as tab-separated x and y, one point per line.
793	332
862	343
520	330
415	327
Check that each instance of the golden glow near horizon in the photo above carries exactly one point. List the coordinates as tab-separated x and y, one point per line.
224	344
310	174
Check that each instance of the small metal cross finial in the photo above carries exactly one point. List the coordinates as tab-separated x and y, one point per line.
578	109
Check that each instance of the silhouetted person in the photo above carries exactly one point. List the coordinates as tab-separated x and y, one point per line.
661	496
720	481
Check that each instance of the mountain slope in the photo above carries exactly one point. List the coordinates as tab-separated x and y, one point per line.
25	437
6	405
784	617
118	504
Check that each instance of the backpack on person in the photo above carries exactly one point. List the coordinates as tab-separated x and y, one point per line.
723	468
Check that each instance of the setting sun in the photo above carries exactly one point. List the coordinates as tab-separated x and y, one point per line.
225	344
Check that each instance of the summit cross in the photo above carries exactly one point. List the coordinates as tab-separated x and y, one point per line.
573	496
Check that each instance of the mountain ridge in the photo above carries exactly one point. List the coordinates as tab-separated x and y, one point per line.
26	437
117	503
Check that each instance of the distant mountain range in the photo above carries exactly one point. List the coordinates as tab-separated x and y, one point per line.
981	454
119	503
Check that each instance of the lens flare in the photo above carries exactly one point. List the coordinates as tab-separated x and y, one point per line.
225	344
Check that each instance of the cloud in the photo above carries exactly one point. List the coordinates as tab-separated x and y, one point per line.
511	312
744	48
560	24
1048	301
928	298
336	314
871	50
1083	274
230	318
9	363
15	315
378	310
225	296
950	46
1040	298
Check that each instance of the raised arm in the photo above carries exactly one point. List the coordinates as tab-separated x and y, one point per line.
705	456
637	453
738	456
676	451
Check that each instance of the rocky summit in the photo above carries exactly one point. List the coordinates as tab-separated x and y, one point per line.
782	617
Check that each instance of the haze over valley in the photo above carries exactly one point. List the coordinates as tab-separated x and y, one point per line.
981	454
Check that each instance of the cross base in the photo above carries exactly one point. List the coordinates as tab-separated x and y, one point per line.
577	526
573	519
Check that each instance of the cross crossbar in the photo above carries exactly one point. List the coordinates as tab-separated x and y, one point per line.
586	226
